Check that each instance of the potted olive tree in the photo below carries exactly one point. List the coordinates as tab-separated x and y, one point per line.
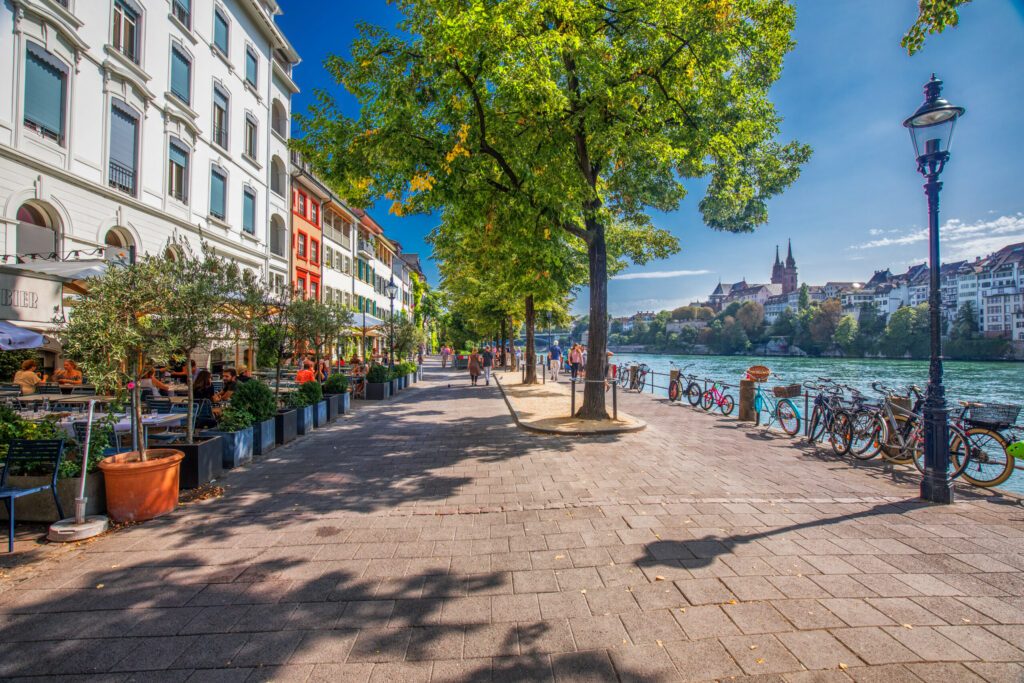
275	338
115	325
256	399
193	313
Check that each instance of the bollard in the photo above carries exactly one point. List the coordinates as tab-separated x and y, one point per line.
747	413
615	400
572	401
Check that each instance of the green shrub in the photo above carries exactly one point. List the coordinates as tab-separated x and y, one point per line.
336	383
296	399
256	398
234	420
313	392
378	374
406	368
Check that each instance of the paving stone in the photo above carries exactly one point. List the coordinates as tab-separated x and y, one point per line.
757	617
997	673
491	640
874	645
984	644
762	654
818	649
856	612
702	660
705	591
543	637
807	614
591	633
563	605
705	621
380	645
944	672
928	644
888	673
328	673
645	628
643	664
401	672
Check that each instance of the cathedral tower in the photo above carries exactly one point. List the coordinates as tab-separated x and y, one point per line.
777	268
789	279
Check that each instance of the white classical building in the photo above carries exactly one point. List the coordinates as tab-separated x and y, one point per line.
124	122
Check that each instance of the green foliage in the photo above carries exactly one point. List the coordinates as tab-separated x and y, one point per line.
804	300
272	339
312	391
10	362
336	383
235	419
406	368
934	16
295	399
846	334
377	374
255	398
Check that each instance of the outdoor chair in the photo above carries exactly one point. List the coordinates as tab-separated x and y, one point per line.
175	434
113	447
47	388
65	407
83	390
25	453
13	388
159	404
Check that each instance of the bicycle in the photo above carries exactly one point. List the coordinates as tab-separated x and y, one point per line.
779	407
829	417
676	389
989	430
715	397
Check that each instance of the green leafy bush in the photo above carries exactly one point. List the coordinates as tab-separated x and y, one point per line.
256	398
406	368
296	399
234	420
336	383
313	392
10	362
378	374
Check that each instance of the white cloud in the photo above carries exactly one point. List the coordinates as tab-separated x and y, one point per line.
960	240
875	231
659	274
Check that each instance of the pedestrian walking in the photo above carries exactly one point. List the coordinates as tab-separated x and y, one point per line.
488	363
575	360
475	364
445	354
554	361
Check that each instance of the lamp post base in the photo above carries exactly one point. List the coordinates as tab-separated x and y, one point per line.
936	488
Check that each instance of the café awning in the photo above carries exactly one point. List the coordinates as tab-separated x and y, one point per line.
370	321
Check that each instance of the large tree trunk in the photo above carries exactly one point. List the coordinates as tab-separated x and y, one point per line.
597	342
190	432
530	353
501	342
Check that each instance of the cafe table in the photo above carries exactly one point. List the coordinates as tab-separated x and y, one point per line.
125	424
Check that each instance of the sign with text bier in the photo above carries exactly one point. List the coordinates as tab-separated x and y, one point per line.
29	299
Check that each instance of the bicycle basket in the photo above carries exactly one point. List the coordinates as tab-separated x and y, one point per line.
758	373
1000	414
788	391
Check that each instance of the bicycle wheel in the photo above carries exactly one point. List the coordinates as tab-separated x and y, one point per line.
840	432
674	390
693	394
727	404
622	377
788	417
816	425
958	458
988	464
866	429
641	382
706	400
898	447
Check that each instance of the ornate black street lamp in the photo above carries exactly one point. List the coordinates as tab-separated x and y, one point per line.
931	129
392	291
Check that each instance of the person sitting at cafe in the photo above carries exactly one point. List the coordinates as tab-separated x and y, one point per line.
243	374
70	374
230	384
181	374
203	385
306	374
27	378
149	381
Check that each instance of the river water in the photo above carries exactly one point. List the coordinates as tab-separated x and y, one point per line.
996	382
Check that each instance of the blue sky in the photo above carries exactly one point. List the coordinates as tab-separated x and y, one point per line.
858	205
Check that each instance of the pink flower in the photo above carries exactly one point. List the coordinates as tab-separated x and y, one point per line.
131	385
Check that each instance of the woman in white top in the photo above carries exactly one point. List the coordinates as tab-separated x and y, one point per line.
27	378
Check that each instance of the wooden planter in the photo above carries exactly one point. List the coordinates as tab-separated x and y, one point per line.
39	507
286	426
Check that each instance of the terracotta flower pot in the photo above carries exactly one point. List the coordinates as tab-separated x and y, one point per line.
138	490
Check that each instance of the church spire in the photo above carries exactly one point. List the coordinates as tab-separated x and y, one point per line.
777	261
790	261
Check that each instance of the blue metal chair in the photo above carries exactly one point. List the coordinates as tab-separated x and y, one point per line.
16	388
48	388
25	453
65	407
84	390
113	445
159	404
202	406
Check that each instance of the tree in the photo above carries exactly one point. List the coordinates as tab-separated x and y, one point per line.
846	334
934	16
751	316
965	325
318	324
804	298
825	322
784	324
584	114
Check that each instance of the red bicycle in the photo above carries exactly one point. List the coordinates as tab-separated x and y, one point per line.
716	397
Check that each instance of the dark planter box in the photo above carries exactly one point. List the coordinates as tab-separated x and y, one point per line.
285	426
304	420
394	386
401	382
378	392
410	379
264	437
333	405
320	414
236	447
39	507
344	403
204	461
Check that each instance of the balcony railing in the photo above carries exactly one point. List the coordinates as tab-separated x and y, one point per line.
122	178
366	248
220	136
182	13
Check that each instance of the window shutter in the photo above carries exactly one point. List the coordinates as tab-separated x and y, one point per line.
179	155
220	32
180	76
250	66
249	212
123	136
45	85
220	99
217	188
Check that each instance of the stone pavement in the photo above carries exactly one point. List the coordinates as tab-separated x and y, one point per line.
428	538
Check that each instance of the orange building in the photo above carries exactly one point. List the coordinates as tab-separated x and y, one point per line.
307	234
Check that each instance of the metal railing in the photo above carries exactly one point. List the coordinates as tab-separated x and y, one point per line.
122	178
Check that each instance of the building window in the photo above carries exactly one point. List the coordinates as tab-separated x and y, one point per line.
278	176
177	171
220	32
181	75
313	211
46	86
278	235
302	246
126	29
313	289
220	117
124	136
314	251
218	193
182	10
279	119
249	211
300	204
250	136
252	64
301	286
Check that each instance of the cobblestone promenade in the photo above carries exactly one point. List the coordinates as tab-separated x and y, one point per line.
430	539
